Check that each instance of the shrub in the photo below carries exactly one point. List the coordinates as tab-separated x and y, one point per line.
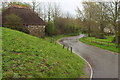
114	40
50	28
100	36
8	74
13	19
92	34
14	22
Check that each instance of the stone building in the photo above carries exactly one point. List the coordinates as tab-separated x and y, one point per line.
30	20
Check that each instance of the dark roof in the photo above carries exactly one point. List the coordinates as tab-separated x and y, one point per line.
27	15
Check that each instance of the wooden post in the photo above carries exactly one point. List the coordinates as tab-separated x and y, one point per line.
68	48
71	49
51	40
63	46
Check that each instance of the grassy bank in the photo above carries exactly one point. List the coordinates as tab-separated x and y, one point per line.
101	43
25	56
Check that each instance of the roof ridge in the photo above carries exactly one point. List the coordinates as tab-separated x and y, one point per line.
19	6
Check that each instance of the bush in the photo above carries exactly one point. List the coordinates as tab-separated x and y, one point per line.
97	34
100	36
14	22
8	74
50	28
92	35
13	19
114	40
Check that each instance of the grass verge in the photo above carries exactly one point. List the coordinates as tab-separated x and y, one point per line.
26	56
108	39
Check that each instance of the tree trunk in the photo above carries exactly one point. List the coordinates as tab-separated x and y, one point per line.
115	24
89	30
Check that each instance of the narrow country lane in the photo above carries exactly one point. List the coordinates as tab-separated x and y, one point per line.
104	63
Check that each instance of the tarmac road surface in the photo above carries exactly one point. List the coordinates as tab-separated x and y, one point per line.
104	63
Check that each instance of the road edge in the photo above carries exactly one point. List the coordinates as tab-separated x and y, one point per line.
90	67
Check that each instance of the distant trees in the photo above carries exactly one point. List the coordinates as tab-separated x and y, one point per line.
4	6
66	25
113	12
88	17
35	6
96	16
62	24
50	28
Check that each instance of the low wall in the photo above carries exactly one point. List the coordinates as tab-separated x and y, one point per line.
36	30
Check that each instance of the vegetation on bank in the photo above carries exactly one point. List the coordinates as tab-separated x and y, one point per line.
101	43
26	56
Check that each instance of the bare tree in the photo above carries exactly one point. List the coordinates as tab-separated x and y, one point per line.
4	5
35	5
55	11
44	13
112	8
97	16
49	11
89	13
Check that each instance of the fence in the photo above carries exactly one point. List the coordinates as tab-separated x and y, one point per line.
64	46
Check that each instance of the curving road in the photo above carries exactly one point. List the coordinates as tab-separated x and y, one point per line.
104	63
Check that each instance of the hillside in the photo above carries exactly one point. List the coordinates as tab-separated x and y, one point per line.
25	56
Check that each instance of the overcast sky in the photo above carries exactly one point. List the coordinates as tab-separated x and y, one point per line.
70	6
65	5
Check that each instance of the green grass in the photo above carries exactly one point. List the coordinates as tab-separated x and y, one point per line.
25	56
109	39
0	54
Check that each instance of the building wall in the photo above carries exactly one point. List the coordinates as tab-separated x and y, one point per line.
36	30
